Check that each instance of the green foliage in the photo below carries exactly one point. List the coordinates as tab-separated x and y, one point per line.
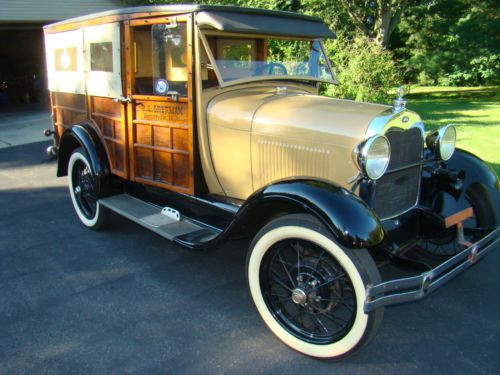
450	42
481	70
447	42
365	70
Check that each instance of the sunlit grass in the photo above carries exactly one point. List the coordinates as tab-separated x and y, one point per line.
475	111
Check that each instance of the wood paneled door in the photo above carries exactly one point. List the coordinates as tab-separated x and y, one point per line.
159	109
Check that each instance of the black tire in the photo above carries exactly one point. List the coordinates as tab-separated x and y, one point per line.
435	251
314	304
82	188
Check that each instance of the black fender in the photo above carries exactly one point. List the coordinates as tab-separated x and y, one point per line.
440	196
83	135
350	220
476	172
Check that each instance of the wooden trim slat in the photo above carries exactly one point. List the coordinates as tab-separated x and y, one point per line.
130	107
72	109
161	149
109	19
189	63
159	98
161	123
157	20
106	116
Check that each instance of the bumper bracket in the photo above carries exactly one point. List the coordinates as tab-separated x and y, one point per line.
417	287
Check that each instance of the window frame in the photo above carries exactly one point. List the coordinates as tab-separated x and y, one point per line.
222	83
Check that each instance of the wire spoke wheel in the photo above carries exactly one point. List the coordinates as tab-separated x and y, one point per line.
84	188
309	292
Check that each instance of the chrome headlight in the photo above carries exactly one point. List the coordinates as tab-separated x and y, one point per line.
442	142
372	156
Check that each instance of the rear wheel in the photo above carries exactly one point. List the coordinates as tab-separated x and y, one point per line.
310	291
83	189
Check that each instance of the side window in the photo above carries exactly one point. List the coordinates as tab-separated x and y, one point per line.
65	62
238	56
160	60
103	60
101	57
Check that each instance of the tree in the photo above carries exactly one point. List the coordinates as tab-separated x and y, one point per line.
377	19
450	42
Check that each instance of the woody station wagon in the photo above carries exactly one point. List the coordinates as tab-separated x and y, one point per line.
203	123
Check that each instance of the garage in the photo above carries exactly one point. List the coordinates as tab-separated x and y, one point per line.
22	62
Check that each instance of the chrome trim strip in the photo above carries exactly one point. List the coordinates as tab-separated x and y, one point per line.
418	287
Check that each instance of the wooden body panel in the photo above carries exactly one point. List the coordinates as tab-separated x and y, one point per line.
161	145
160	129
109	118
67	110
147	138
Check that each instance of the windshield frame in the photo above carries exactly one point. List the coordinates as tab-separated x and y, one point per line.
223	83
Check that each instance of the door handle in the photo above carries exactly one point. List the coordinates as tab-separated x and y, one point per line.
122	100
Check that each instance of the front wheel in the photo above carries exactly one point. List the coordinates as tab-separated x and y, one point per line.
309	290
82	188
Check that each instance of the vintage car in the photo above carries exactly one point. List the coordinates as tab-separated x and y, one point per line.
203	123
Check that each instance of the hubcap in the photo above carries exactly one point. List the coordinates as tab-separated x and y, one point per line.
299	296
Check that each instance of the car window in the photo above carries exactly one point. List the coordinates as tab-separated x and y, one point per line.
240	58
161	55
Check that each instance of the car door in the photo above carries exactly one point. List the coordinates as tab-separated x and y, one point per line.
159	96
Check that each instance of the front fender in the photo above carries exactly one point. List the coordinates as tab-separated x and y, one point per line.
349	219
476	171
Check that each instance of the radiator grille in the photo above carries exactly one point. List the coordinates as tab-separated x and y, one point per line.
396	192
398	189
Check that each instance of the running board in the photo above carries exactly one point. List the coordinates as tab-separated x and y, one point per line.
184	230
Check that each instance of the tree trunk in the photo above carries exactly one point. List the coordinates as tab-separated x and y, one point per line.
383	24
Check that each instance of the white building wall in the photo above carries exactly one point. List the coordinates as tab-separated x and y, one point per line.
52	10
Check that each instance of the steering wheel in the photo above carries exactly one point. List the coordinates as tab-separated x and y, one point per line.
271	69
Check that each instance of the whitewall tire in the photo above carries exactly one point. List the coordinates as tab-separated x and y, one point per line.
81	181
312	301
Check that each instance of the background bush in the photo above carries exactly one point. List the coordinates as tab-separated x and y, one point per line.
365	71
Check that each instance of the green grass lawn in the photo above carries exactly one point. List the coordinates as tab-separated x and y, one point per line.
475	111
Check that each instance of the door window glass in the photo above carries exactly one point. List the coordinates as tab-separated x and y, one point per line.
161	60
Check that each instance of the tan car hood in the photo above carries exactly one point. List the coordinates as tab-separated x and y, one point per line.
263	110
258	136
304	114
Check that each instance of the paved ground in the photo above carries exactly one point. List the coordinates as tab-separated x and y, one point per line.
127	301
23	124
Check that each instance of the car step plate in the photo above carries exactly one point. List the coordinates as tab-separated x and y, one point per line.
150	217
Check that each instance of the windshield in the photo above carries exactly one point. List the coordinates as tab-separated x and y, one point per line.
244	58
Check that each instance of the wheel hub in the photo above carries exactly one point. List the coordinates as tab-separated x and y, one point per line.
299	296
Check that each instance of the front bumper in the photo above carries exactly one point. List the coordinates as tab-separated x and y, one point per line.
414	288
